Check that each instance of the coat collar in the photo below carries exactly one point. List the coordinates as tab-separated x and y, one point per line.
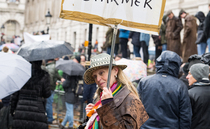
203	82
121	95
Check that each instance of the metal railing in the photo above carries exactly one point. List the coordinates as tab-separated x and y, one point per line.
60	108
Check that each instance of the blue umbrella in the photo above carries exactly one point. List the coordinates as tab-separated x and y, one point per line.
11	46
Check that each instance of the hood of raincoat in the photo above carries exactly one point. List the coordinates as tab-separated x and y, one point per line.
168	62
200	15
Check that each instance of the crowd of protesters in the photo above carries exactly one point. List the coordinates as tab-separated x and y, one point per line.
196	38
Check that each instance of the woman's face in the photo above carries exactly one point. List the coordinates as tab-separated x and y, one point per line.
101	76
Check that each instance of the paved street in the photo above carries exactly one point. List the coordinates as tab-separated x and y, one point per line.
53	127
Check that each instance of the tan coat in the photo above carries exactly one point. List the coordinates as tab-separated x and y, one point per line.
126	111
190	30
173	28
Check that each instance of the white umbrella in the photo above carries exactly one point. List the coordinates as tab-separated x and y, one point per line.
14	73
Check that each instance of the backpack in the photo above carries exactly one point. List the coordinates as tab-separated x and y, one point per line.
79	88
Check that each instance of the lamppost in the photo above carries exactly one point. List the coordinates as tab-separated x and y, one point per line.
90	41
48	18
2	28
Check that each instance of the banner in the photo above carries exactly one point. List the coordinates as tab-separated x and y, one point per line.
29	38
136	15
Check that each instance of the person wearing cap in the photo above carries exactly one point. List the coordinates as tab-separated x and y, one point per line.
193	59
199	95
173	29
164	96
190	30
117	107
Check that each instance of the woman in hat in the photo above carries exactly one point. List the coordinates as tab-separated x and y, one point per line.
116	107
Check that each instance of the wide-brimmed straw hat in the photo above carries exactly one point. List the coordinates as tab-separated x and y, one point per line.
97	62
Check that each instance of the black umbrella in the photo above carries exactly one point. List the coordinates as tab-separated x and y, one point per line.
43	50
70	67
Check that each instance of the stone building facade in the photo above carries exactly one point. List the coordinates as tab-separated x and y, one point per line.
190	6
73	32
12	17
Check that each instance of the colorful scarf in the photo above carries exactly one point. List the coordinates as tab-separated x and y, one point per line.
93	122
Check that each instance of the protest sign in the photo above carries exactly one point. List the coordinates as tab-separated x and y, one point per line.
138	15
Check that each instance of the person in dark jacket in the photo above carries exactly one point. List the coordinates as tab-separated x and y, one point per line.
88	92
123	39
185	71
164	96
201	38
144	40
5	116
194	59
199	95
207	28
54	76
158	45
1	104
69	85
136	42
2	40
205	58
28	104
6	100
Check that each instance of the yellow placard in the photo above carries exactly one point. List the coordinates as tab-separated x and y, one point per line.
86	43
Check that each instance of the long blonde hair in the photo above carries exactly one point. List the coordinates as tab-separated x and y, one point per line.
122	78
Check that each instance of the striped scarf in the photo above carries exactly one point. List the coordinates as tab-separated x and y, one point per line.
93	122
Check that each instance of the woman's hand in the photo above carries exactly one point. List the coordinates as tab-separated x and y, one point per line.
106	93
89	107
